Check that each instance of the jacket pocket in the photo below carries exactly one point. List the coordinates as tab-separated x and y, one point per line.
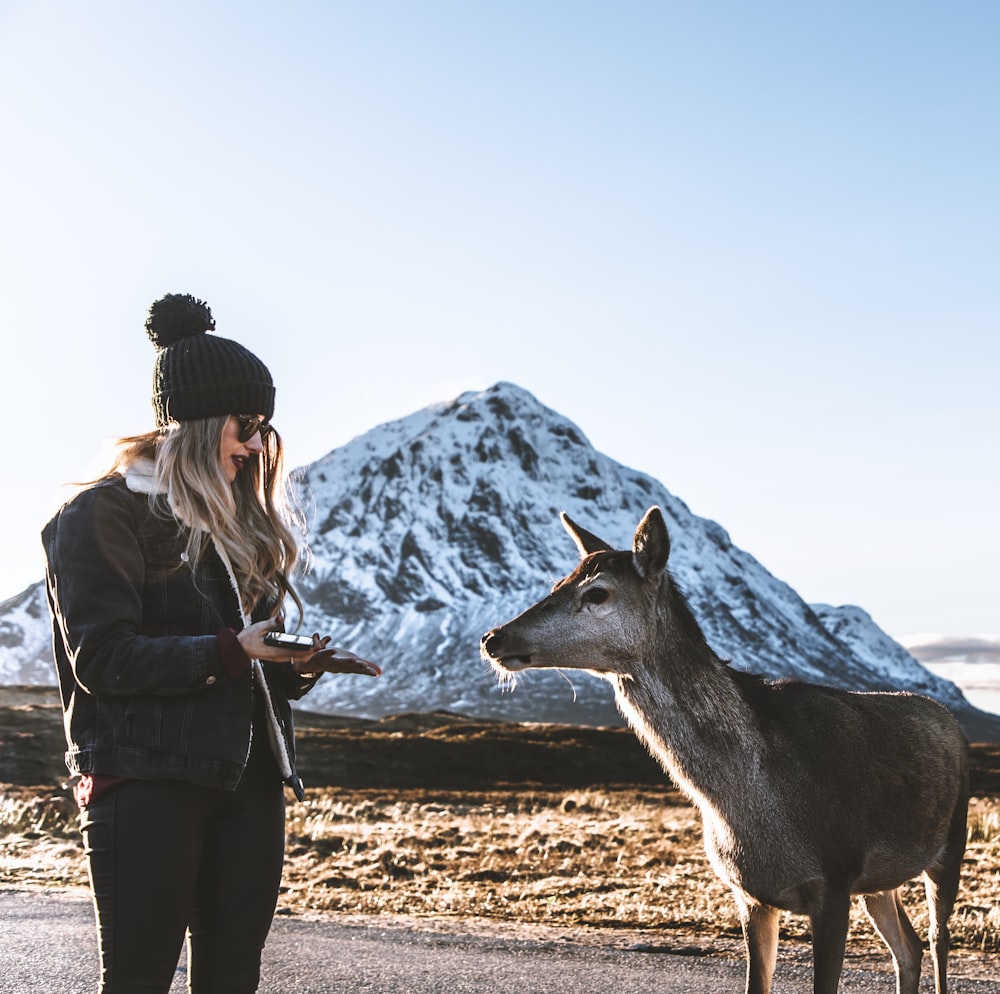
143	725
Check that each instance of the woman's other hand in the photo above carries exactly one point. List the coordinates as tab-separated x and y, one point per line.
253	644
329	660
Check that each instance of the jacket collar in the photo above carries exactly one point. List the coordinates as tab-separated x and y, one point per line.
140	477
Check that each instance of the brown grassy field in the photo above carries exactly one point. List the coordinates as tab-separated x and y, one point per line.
443	818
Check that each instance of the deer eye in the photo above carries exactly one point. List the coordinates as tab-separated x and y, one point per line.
594	595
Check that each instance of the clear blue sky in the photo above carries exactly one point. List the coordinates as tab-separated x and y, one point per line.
749	248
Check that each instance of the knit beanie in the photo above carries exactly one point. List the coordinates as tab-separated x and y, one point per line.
199	375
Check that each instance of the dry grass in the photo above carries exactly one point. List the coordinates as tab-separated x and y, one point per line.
615	858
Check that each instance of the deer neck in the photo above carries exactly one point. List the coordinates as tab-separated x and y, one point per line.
692	717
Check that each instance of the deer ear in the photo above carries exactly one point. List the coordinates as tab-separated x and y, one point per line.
651	545
586	542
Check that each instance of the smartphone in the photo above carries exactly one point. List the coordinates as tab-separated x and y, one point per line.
282	640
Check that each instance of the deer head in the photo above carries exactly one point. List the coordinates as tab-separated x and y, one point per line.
597	617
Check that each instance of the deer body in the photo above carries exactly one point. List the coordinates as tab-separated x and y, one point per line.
808	795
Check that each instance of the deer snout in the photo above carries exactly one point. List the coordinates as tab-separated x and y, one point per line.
494	648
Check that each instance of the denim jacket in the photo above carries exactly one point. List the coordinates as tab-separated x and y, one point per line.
135	639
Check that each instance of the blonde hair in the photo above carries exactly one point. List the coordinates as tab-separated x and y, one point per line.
254	519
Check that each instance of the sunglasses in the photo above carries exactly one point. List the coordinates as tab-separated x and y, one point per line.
251	424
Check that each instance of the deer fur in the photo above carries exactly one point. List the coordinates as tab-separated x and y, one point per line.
808	795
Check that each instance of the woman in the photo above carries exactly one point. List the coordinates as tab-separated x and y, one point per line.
164	577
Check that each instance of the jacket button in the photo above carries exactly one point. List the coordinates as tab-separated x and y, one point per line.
210	680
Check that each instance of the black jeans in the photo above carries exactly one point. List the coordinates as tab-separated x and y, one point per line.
167	857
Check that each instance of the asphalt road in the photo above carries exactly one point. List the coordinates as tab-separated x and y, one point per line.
47	946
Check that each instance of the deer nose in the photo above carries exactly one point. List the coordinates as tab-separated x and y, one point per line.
490	640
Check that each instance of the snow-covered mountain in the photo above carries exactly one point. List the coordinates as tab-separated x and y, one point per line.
26	639
429	530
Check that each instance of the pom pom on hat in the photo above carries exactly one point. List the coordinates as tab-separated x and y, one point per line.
199	375
177	316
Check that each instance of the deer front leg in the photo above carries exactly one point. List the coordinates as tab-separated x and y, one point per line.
760	936
829	916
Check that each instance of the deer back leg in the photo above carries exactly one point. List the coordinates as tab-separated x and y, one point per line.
886	912
941	885
760	936
829	916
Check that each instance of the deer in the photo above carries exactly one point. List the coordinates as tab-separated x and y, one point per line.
809	795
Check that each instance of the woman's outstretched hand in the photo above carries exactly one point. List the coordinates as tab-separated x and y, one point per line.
321	658
331	660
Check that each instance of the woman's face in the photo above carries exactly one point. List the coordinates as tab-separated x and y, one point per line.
233	453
